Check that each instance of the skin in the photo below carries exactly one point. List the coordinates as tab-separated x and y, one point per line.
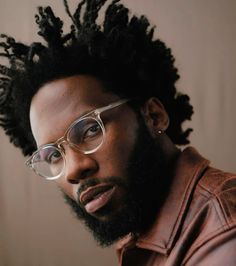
58	103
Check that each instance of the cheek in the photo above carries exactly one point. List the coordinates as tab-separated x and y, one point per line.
117	149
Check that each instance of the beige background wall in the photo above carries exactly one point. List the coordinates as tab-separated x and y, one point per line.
36	228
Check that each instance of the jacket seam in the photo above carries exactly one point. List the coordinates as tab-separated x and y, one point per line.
225	226
226	219
212	196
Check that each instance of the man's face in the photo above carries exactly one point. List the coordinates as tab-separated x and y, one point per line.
111	190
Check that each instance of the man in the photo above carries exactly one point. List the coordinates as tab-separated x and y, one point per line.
97	111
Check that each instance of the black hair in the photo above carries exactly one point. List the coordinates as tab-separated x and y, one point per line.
121	52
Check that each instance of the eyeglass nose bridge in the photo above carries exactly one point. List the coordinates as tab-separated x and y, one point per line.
62	141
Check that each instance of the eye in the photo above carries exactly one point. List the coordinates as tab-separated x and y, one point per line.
85	130
53	157
92	131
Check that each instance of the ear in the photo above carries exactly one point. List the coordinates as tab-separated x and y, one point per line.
155	116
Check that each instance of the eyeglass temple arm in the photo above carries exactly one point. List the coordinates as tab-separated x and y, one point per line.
110	106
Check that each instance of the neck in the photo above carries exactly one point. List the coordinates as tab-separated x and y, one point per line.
171	152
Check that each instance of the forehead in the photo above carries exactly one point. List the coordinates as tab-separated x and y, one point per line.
86	90
58	103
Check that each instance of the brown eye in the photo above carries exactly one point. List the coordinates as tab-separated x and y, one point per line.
84	130
53	157
92	131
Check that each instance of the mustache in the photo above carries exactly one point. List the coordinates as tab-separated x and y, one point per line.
90	182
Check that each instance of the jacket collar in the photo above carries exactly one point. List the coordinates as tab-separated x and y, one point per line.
161	236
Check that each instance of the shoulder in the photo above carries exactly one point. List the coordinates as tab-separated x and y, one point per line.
211	219
219	189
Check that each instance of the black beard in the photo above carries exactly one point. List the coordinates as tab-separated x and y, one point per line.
147	186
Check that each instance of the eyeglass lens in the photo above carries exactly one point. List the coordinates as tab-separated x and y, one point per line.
86	135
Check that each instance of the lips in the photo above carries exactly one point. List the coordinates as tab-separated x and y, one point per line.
96	197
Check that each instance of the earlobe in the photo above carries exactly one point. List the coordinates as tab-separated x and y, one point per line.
155	115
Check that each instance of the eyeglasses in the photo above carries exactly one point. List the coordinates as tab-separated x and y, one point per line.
86	134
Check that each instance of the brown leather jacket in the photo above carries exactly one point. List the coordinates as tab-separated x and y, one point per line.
195	226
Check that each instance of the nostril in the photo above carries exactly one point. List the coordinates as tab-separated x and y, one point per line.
76	179
86	173
73	181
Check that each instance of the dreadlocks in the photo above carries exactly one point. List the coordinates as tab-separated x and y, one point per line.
121	53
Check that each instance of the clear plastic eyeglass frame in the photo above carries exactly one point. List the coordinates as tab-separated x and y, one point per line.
65	139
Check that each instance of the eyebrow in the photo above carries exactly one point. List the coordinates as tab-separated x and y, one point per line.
83	114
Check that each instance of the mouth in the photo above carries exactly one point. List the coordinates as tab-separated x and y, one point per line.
96	197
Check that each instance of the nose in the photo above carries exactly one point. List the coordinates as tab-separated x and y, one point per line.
78	166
